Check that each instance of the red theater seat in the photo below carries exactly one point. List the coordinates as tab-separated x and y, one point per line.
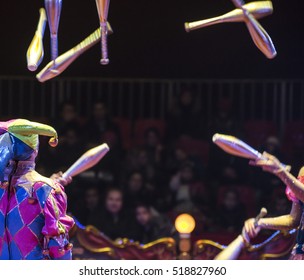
195	147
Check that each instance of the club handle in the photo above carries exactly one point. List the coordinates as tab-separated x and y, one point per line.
42	22
262	214
54	46
104	43
65	175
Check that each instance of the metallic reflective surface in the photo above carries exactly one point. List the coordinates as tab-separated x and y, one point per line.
258	34
237	147
53	11
103	9
258	9
35	51
87	160
57	66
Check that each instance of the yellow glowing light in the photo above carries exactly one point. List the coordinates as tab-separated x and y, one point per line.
185	223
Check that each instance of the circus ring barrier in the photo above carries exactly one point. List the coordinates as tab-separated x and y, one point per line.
91	244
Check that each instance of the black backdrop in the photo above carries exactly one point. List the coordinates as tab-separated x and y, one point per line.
150	40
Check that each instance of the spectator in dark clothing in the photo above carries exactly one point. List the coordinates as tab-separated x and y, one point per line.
70	148
185	117
224	120
231	213
152	226
225	169
115	221
280	205
101	129
66	121
87	211
136	190
265	182
140	161
100	124
176	159
153	146
188	192
68	117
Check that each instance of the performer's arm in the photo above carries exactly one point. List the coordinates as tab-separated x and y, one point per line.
252	228
233	250
285	222
271	164
59	178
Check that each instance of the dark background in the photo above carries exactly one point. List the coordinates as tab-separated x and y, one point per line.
150	40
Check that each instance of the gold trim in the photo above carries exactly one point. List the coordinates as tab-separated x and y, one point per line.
92	249
168	241
200	244
203	242
275	256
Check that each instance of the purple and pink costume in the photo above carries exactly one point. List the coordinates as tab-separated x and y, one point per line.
33	220
298	250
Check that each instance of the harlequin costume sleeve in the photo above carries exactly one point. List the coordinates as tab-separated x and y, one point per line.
33	220
57	226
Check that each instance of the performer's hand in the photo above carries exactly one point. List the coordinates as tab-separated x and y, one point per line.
63	181
269	163
250	229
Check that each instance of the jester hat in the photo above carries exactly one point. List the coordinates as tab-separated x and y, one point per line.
19	141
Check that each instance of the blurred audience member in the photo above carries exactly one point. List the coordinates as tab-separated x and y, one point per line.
189	193
152	225
265	182
279	206
100	125
68	127
101	129
176	159
87	211
68	117
225	169
231	212
137	190
139	160
224	120
273	146
153	146
114	220
185	117
69	149
229	176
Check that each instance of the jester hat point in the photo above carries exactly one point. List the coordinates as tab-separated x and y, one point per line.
19	140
